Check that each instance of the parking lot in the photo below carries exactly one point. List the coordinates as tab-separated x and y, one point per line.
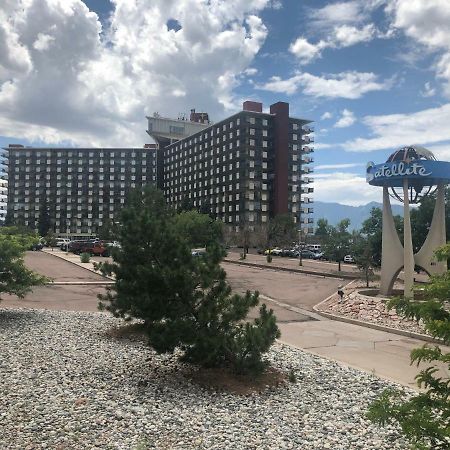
298	290
76	289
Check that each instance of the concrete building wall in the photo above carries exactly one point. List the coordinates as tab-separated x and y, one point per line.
244	169
81	187
3	183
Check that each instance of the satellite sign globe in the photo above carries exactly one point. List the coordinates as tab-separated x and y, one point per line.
415	164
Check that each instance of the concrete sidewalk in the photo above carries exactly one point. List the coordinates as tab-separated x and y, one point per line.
384	354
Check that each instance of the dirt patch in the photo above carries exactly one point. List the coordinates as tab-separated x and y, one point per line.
217	379
134	331
222	379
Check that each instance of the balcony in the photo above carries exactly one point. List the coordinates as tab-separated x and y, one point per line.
307	210
306	180
306	149
307	159
307	190
307	129
306	200
307	139
307	220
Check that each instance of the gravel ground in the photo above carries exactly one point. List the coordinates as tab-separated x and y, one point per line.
369	309
66	385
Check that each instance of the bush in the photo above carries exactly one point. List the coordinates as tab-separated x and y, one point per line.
425	417
185	302
269	258
85	257
15	278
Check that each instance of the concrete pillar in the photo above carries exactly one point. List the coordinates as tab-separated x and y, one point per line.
436	238
392	249
408	265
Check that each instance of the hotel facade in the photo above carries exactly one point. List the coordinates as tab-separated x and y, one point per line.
245	169
80	188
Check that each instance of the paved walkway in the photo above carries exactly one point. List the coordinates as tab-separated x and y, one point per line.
384	354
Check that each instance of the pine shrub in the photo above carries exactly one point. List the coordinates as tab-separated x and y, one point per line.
425	417
185	302
85	257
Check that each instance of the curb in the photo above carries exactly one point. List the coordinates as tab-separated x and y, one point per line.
375	326
80	283
287	269
78	265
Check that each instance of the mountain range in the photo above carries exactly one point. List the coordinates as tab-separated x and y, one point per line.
335	212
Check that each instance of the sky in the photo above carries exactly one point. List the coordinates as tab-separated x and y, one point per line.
373	75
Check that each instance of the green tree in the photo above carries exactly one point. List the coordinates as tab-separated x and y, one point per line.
282	231
322	229
373	229
107	231
361	250
44	221
15	278
184	301
422	216
425	417
50	239
186	204
338	241
198	230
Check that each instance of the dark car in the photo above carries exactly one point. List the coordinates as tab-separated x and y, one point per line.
76	246
308	254
37	246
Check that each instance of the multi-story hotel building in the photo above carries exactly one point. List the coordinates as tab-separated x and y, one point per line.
3	184
80	188
244	169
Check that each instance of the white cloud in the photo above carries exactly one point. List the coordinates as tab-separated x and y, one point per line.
342	36
427	22
428	91
251	71
349	85
347	119
346	35
326	115
60	81
43	41
305	51
338	166
338	13
442	152
346	188
424	127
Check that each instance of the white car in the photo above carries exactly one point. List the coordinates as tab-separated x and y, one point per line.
349	259
62	242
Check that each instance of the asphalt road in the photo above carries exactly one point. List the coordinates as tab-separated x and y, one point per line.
76	297
298	290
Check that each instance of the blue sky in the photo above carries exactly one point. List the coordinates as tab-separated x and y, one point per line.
374	75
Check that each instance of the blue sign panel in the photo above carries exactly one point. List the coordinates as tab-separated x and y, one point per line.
421	171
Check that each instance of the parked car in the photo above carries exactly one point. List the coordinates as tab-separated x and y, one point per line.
76	246
349	259
97	248
37	246
62	241
308	254
320	255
